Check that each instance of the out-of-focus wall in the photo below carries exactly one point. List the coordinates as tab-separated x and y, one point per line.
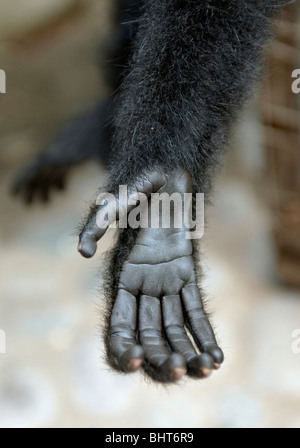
22	17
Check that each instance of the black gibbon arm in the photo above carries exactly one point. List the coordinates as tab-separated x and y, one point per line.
193	66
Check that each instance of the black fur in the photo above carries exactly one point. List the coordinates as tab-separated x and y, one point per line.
193	67
179	72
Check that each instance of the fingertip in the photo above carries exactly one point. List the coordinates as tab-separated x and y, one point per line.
60	184
87	246
174	368
177	373
134	364
14	189
201	366
132	359
217	355
177	366
28	199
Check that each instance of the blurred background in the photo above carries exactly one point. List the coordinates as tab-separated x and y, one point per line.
53	374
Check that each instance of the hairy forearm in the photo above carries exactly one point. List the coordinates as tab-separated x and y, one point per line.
193	66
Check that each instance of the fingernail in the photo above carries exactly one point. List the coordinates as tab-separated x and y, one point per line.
87	247
206	372
177	373
134	364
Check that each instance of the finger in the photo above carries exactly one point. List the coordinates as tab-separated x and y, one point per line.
199	324
19	186
126	354
200	366
26	188
109	210
166	367
25	177
98	222
16	187
112	208
60	182
44	193
29	193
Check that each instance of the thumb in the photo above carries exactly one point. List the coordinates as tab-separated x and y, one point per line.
111	208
